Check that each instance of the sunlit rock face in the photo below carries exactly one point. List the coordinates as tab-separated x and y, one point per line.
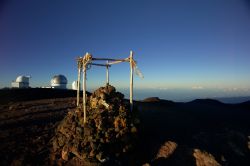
204	158
166	150
109	132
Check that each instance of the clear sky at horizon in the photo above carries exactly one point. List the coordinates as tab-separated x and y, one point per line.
200	47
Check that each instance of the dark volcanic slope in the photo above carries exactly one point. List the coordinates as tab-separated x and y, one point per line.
199	128
14	95
170	133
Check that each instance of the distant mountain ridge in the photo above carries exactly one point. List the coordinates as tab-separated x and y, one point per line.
206	101
233	100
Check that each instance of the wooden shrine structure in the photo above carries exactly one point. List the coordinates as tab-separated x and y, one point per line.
84	63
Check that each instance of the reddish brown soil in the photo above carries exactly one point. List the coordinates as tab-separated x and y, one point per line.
27	127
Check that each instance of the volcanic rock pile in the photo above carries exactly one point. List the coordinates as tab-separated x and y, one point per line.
109	132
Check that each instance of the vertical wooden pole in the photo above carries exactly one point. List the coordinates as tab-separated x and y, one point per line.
84	92
107	73
78	83
131	80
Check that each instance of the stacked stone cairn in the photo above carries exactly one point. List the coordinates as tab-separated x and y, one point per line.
110	130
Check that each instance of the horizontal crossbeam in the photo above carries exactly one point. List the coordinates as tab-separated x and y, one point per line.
108	59
115	62
96	64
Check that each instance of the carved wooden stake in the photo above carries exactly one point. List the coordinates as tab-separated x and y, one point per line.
107	73
84	92
131	80
78	84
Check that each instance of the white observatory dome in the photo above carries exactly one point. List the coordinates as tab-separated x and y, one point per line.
74	85
21	82
59	81
23	79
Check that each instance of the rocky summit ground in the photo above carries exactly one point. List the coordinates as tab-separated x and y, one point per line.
202	132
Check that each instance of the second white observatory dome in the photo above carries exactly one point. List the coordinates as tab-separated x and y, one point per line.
59	82
74	85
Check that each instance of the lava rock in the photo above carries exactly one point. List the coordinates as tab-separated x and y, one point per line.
110	130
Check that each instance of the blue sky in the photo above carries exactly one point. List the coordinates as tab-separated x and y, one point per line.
198	47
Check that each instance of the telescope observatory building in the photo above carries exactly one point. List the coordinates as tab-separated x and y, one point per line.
59	82
21	82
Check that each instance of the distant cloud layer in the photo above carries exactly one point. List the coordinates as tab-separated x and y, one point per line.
197	87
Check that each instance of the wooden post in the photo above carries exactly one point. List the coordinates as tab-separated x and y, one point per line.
131	80
107	73
78	83
84	91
